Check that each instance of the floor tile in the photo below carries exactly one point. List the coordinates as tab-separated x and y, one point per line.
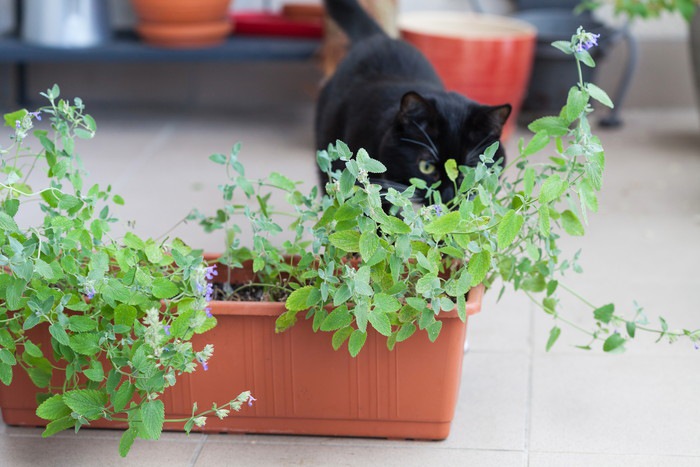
19	451
628	404
338	455
537	459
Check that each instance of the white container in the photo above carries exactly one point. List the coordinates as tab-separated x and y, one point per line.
65	23
7	17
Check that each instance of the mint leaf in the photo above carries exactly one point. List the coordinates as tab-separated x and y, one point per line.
357	340
572	224
479	265
53	408
509	228
380	322
599	95
297	300
346	240
87	402
153	416
126	441
553	336
164	288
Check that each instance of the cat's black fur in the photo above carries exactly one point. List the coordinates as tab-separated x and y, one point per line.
386	97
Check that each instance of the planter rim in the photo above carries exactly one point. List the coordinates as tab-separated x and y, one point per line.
246	308
459	25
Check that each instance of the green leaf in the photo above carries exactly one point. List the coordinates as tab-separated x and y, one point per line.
85	343
552	188
406	331
553	336
133	241
572	224
7	223
529	181
479	265
5	373
95	372
59	333
297	300
631	328
551	126
576	103
123	396
337	319
32	349
347	212
13	293
614	344
509	228
544	222
564	46
153	416
599	95
11	119
369	243
347	240
87	402
433	330
124	315
395	225
153	251
588	196
605	313
280	181
386	303
451	169
81	323
357	341
53	408
126	441
59	425
445	224
380	322
536	144
341	336
164	288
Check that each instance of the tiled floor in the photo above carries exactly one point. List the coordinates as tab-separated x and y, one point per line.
518	406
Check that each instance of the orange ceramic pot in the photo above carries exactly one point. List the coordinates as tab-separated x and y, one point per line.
301	384
183	23
486	58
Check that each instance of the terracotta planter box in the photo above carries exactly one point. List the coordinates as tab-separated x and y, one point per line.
301	384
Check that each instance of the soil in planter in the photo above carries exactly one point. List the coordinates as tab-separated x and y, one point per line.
247	293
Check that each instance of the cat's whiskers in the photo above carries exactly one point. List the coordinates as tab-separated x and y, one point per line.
420	143
478	148
429	139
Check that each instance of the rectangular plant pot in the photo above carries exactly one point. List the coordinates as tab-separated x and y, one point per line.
301	384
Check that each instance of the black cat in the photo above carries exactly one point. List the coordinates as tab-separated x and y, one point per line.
386	97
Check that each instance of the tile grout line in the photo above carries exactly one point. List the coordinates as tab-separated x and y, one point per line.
530	377
198	450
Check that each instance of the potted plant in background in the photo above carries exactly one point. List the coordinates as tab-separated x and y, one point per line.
648	9
363	264
183	23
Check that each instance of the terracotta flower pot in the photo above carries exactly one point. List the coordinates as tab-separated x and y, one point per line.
486	58
183	23
301	384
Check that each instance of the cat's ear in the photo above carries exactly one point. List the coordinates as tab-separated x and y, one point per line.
415	108
498	115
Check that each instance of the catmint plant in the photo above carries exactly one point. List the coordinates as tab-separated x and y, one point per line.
367	257
120	312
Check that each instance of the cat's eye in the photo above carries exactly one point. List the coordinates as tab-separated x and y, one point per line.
426	167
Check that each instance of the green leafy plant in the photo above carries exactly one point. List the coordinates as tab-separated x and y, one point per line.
120	313
367	257
646	9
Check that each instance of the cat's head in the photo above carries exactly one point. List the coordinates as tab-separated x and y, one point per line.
430	129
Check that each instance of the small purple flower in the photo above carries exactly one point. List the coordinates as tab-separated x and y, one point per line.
697	346
166	328
211	272
208	312
89	292
18	125
251	399
205	366
438	210
587	42
209	292
36	114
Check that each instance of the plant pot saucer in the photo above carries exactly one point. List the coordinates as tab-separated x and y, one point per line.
185	35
